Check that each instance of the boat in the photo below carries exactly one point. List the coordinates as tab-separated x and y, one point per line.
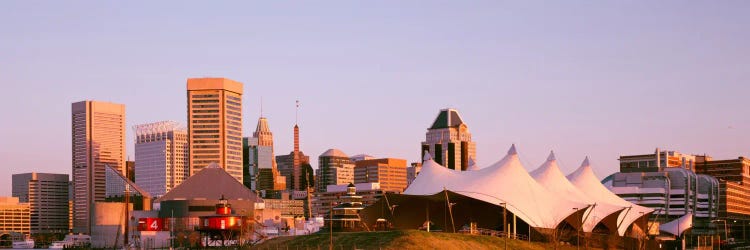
25	244
72	240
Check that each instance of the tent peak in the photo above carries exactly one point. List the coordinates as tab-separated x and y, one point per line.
586	162
512	150
551	156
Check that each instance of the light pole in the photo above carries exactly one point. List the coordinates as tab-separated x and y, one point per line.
393	211
726	235
578	234
450	210
505	241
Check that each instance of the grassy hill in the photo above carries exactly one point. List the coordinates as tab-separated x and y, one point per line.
410	239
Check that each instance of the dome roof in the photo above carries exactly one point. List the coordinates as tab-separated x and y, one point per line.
334	153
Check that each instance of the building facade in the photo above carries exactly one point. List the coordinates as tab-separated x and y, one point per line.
666	182
15	216
215	124
412	172
657	161
260	169
47	196
389	172
323	201
449	142
334	168
98	140
161	156
734	192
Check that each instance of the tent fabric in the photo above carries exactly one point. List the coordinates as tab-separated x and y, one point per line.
472	165
678	226
550	176
506	181
586	181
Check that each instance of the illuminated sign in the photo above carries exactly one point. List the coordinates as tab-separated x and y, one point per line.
151	224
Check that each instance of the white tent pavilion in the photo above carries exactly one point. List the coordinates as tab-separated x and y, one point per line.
550	176
586	181
506	181
678	226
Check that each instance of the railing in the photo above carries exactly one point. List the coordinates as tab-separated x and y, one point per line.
501	234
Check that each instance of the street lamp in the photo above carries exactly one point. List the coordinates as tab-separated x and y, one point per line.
726	236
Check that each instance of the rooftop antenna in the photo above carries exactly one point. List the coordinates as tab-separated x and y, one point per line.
261	106
296	113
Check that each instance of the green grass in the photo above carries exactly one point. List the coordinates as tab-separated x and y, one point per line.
410	239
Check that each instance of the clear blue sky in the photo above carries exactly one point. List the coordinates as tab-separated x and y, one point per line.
597	78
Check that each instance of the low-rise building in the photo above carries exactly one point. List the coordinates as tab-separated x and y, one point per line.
734	192
15	216
389	172
322	202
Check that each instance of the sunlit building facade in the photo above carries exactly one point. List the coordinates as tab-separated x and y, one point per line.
15	216
334	168
449	142
47	196
389	172
98	140
215	124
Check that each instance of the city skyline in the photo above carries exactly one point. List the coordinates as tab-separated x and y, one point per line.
640	77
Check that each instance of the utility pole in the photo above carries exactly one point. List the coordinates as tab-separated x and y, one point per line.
505	242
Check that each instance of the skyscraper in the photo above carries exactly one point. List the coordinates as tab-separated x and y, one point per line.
47	195
260	165
215	124
161	156
98	138
334	168
290	165
449	142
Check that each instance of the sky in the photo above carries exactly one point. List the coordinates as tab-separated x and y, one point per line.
582	78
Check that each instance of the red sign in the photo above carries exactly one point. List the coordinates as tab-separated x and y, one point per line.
151	224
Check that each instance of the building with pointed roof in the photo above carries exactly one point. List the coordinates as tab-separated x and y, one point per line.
448	140
198	195
293	165
259	164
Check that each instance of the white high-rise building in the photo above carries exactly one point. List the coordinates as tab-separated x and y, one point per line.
161	156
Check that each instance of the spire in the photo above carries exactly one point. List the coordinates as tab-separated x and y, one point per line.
263	133
551	156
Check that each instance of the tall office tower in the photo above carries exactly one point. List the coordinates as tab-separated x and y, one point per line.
334	168
161	156
449	141
47	195
290	165
389	172
261	172
215	124
98	138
